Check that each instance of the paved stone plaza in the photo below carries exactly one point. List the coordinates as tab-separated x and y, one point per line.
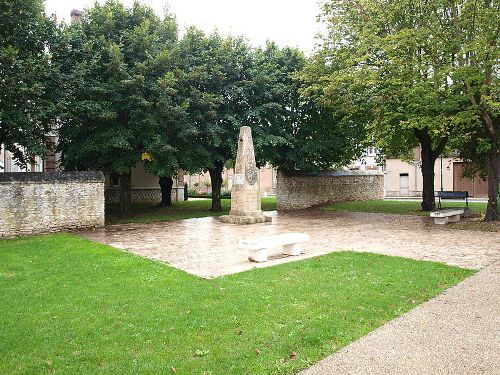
208	248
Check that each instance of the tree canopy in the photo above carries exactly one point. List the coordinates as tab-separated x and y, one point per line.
216	78
293	132
117	62
29	82
124	89
398	63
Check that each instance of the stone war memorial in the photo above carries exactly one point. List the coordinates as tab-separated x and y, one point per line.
245	194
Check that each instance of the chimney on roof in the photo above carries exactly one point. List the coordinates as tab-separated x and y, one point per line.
76	15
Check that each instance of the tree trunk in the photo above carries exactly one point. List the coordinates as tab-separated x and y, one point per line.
428	198
428	158
125	201
216	180
166	183
493	211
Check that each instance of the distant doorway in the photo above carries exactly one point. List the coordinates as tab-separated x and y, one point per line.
404	185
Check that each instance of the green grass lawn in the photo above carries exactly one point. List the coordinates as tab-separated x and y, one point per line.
180	210
71	306
398	207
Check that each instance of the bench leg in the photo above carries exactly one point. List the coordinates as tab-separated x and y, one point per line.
441	220
258	256
292	249
454	219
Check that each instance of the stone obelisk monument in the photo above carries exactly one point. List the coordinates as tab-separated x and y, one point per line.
245	193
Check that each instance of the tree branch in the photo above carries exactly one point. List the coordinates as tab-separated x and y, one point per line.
440	147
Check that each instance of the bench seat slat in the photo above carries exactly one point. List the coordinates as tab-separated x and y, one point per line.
447	212
453	194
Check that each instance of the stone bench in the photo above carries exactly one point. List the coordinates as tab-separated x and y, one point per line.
450	215
289	244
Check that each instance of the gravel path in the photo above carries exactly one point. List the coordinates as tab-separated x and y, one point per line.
457	333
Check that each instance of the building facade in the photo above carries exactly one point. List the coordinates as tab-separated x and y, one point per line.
370	160
145	188
404	179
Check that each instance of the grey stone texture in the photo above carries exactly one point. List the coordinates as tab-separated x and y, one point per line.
206	247
142	195
245	193
33	203
300	192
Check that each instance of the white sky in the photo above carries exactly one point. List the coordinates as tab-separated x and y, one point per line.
287	22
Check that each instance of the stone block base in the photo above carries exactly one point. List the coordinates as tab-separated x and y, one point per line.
243	220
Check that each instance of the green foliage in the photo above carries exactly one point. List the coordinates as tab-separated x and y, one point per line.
229	85
120	98
292	132
29	95
215	77
476	40
390	60
74	306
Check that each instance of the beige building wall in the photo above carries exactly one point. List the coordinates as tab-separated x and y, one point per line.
8	164
396	170
140	179
144	185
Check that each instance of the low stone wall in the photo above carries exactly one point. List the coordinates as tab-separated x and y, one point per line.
299	192
32	203
143	195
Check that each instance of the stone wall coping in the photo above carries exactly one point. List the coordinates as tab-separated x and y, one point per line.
352	173
54	177
338	173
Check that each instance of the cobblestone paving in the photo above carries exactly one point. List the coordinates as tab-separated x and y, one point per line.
207	248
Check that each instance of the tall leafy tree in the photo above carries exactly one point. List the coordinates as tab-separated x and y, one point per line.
294	133
424	71
216	79
392	61
29	80
114	77
474	37
169	148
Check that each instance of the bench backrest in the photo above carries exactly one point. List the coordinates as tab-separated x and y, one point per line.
453	194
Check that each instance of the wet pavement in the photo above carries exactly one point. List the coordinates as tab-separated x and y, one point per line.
208	248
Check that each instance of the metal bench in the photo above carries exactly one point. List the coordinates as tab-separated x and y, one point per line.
453	195
289	244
